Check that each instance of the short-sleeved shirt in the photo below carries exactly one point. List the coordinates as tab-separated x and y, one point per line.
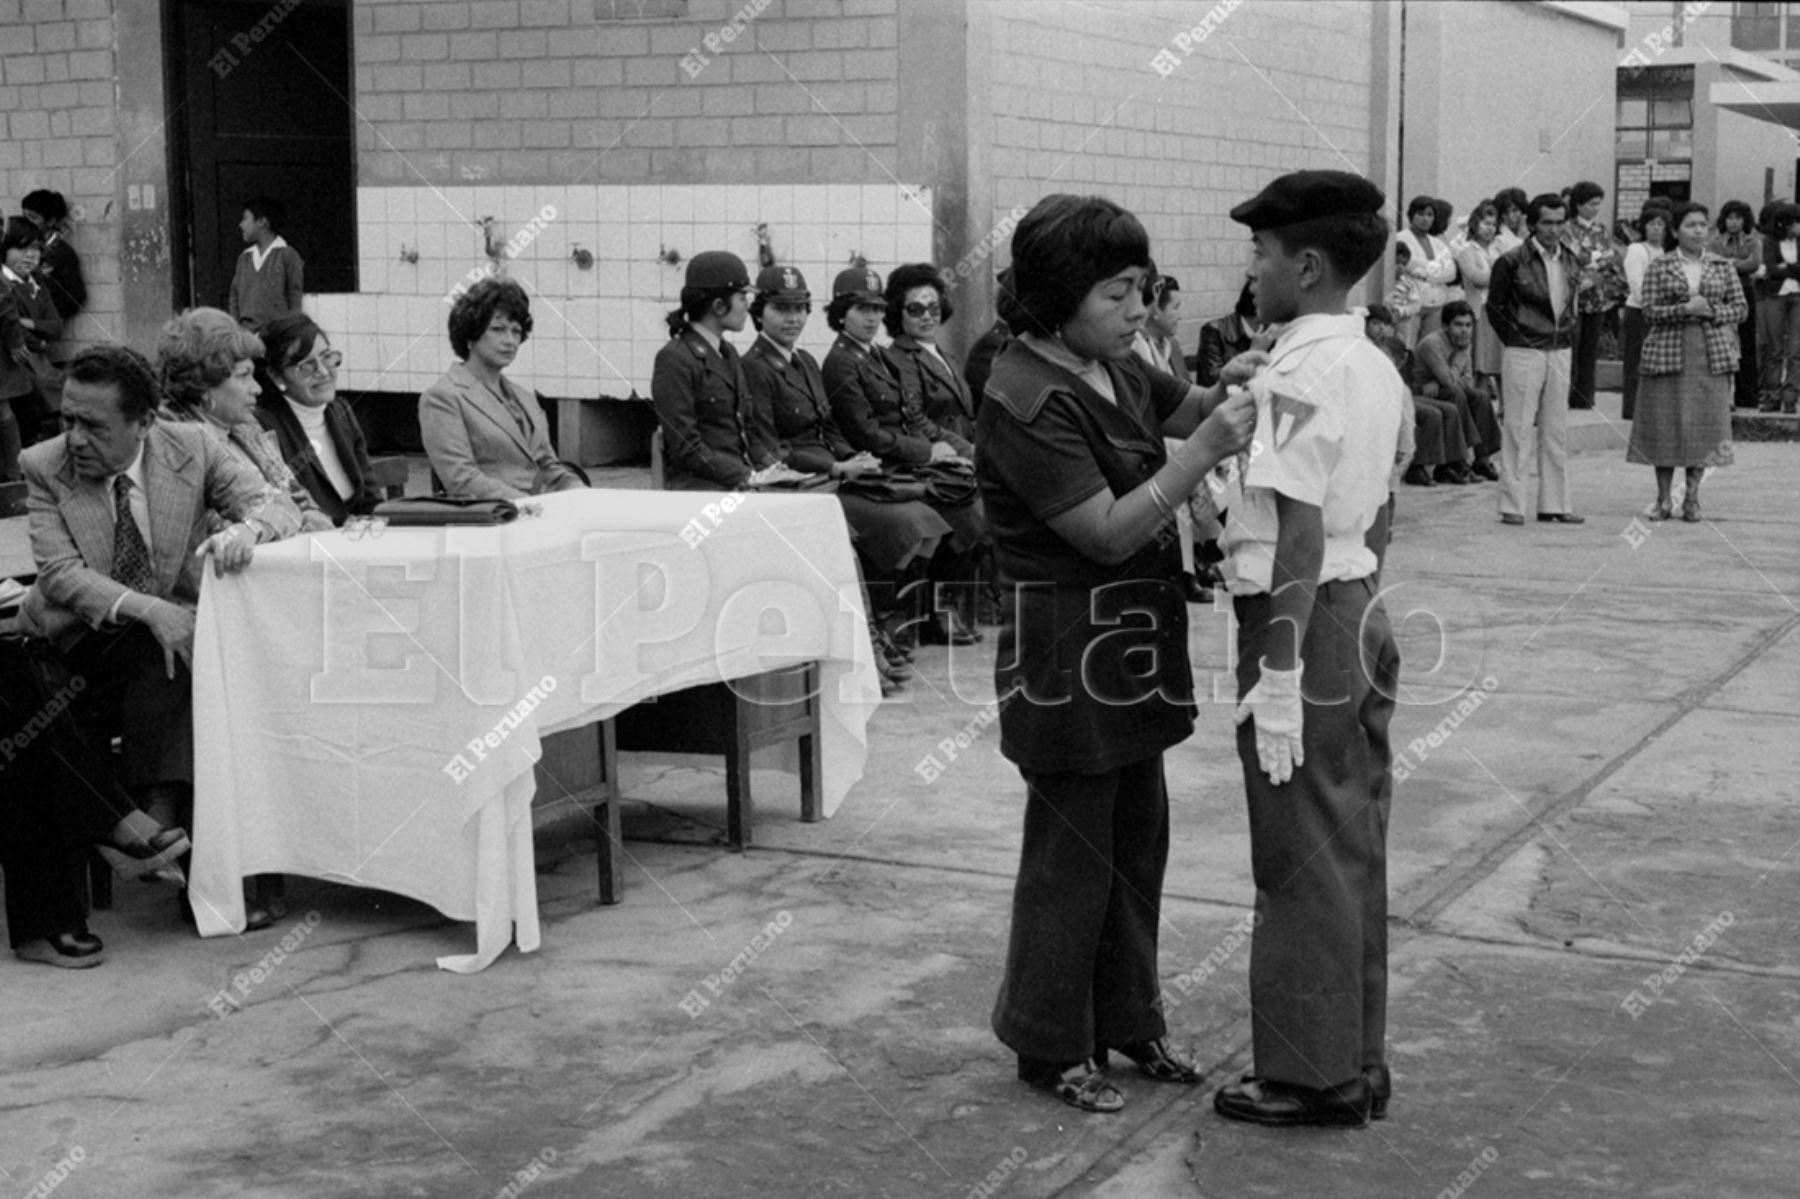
1092	665
1328	412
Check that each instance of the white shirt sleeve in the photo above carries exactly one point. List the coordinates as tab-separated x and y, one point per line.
1297	444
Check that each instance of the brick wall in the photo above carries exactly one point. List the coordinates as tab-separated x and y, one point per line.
1079	105
554	91
58	117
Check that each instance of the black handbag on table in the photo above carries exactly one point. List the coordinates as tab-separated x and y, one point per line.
431	511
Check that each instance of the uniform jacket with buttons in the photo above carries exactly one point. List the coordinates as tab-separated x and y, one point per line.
874	411
792	409
942	392
711	436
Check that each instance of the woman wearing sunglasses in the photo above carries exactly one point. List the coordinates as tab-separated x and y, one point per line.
916	309
319	437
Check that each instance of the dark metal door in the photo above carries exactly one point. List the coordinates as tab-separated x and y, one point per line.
262	93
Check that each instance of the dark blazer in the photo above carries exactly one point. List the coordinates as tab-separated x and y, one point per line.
1777	270
61	268
792	409
16	379
1221	340
275	415
187	477
942	392
711	438
873	411
476	447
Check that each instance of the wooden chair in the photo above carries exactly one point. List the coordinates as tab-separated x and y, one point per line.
581	767
736	719
12	499
389	476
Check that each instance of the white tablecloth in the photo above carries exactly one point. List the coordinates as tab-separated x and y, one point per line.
369	710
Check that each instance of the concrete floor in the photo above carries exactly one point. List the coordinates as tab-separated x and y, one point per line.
1628	785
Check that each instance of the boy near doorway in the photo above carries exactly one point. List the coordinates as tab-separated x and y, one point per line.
269	279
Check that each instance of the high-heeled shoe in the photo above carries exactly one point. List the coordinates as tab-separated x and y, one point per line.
1662	511
1690	509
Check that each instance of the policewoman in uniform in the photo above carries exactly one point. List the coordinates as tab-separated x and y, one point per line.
917	309
711	438
878	415
1317	667
1092	673
788	393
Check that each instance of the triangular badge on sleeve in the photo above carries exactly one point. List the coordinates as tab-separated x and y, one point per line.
1289	415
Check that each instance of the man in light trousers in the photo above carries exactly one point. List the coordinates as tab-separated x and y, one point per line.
1531	308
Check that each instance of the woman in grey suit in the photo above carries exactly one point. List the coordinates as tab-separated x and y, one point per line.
485	435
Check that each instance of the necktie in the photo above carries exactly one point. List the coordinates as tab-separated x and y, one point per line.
131	557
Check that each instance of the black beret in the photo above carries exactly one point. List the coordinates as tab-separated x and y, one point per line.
1306	195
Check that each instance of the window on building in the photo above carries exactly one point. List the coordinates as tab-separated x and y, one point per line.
1756	26
1655	116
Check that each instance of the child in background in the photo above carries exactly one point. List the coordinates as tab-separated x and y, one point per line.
269	279
1403	301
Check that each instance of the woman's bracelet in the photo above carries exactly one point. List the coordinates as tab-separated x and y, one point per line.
1160	499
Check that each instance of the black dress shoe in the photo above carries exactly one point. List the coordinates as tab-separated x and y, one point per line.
1156	1060
70	951
1486	470
1418	476
1284	1105
1194	591
1381	1089
1562	518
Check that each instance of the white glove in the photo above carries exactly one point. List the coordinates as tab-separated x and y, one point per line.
1275	704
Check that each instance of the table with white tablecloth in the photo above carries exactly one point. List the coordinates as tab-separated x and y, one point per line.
368	708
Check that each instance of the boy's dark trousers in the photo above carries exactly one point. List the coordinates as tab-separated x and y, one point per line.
1318	844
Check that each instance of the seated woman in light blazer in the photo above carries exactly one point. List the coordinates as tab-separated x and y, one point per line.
484	434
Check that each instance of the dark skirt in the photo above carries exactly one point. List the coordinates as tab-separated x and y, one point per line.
890	536
1684	419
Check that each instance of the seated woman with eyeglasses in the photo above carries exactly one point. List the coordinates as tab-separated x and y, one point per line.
206	363
318	436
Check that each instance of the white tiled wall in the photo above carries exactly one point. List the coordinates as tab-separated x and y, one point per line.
596	331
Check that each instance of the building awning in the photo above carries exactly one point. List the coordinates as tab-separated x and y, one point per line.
1776	103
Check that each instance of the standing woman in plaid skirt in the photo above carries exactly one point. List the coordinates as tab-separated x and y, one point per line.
1692	304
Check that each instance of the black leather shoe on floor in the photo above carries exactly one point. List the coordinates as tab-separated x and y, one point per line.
71	951
1283	1105
1156	1060
1418	476
1562	518
1381	1089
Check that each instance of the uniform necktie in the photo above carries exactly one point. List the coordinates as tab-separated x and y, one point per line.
131	557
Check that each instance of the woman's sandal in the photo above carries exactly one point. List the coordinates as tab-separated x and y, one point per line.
1082	1085
1690	510
1155	1060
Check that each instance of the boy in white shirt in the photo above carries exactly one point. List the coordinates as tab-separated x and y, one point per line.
1317	666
